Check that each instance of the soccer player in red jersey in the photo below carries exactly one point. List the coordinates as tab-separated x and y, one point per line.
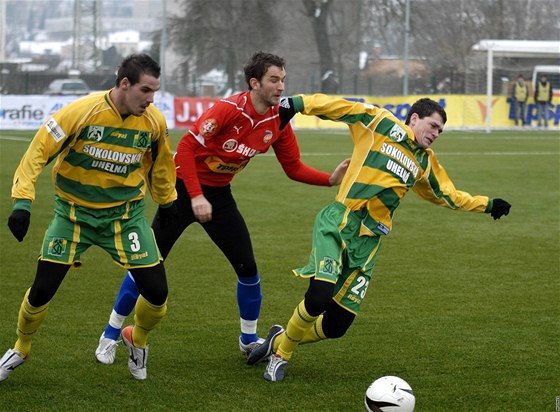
220	144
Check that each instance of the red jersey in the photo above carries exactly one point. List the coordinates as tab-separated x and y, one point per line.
225	138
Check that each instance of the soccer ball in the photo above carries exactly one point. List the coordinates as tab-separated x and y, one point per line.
389	394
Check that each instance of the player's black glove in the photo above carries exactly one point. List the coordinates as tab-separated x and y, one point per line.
167	214
286	111
18	222
499	208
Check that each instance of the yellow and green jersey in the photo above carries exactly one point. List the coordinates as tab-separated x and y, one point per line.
386	162
102	159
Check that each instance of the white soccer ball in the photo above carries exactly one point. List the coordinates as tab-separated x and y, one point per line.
389	394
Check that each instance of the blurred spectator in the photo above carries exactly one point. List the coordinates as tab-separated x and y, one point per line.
543	97
520	94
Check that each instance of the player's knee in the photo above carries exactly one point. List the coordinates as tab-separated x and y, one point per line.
336	321
245	269
318	296
152	284
48	278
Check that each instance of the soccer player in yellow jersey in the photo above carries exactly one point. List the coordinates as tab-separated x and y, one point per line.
389	158
110	149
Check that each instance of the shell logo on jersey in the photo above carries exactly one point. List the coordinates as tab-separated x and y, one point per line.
397	134
95	133
208	127
267	136
230	145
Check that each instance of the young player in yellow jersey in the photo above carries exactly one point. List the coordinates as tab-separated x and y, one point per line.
110	149
389	158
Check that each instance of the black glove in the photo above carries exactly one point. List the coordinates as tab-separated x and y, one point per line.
18	222
499	208
286	111
166	215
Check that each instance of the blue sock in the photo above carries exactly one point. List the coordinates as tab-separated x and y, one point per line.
124	304
249	300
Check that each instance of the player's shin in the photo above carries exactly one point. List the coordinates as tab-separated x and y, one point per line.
29	320
249	299
146	317
298	326
124	304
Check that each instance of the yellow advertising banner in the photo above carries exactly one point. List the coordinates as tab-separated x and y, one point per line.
463	111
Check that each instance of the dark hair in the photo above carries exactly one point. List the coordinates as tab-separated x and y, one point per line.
259	63
135	65
426	107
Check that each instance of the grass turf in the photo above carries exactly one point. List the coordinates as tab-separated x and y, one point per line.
466	309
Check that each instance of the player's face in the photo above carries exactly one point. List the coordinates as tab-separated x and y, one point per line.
270	88
139	96
427	129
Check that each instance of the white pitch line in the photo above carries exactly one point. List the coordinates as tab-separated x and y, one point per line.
449	154
15	138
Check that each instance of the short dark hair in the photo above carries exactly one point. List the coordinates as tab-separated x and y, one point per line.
426	107
135	65
259	63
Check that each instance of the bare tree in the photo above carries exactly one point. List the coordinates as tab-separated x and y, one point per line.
221	34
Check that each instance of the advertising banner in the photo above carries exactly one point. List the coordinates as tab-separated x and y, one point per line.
28	112
463	112
188	109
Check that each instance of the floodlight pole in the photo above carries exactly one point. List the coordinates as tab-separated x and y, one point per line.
163	45
489	69
405	58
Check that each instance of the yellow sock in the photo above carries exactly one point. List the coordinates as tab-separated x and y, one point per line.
29	320
146	317
314	334
298	326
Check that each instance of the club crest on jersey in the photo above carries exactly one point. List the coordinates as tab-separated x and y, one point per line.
208	127
397	134
230	145
267	136
57	246
142	140
328	266
95	133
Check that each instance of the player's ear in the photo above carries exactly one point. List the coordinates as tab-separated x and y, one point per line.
254	83
124	83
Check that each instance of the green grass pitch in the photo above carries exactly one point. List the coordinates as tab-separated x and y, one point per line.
465	308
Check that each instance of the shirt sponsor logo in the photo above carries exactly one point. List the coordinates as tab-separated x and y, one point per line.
403	159
54	130
230	145
112	155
